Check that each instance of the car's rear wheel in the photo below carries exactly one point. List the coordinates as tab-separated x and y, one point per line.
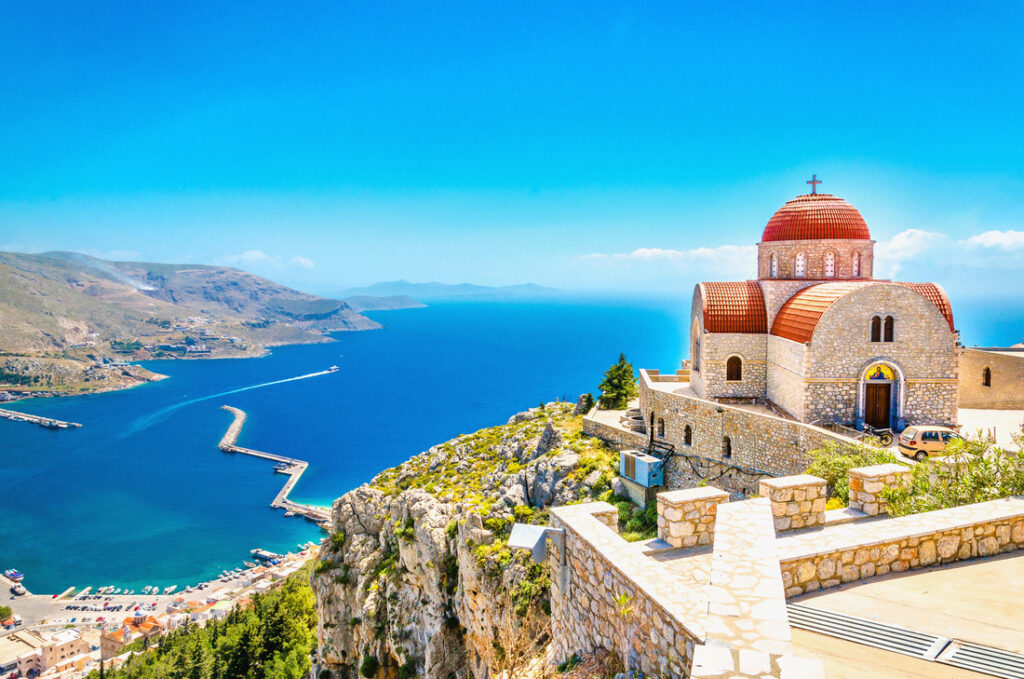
920	456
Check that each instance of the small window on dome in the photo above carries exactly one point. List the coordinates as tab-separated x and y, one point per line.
800	267
856	265
775	265
830	265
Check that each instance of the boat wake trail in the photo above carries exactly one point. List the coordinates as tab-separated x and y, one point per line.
147	421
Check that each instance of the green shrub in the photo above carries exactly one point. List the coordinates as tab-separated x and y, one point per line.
973	470
324	566
407	531
569	664
369	666
452	529
834	462
338	540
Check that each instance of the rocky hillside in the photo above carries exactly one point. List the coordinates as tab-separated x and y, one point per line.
418	579
62	314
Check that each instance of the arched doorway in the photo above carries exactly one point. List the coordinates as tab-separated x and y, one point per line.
881	396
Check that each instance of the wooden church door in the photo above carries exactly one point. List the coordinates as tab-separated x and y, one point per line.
876	404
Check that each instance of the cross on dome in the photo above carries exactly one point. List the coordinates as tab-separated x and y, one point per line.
814	181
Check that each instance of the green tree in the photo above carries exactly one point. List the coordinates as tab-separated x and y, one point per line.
618	386
5	612
834	461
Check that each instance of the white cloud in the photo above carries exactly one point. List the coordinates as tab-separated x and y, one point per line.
1003	240
251	257
892	254
732	256
258	258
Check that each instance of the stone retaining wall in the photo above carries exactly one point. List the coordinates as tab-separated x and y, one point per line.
585	614
866	484
864	549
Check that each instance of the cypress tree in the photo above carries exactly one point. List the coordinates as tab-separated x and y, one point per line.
618	386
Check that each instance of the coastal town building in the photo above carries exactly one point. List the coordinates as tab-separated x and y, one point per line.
56	652
140	625
992	377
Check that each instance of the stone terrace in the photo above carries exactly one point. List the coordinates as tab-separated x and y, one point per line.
722	613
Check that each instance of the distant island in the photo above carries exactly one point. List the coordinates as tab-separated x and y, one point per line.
445	291
70	323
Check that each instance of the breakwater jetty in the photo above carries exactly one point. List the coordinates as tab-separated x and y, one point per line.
290	466
48	422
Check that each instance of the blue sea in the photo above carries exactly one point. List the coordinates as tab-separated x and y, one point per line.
140	495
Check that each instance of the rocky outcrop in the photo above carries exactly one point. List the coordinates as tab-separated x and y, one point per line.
418	578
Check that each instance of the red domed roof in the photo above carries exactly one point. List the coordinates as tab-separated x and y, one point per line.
733	307
816	216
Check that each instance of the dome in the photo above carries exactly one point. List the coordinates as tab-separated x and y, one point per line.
816	216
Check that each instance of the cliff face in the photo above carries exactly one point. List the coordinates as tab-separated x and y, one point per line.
418	579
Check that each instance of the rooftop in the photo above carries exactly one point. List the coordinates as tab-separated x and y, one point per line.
816	216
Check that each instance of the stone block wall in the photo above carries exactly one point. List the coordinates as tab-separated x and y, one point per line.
796	501
866	484
815	252
759	442
862	550
617	437
686	518
1006	388
600	566
750	348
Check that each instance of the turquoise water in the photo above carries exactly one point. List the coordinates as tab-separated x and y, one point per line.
140	494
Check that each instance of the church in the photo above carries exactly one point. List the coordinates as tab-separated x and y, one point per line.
817	337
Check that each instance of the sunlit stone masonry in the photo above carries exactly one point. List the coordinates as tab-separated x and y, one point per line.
716	606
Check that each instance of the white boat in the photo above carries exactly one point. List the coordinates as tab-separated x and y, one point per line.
145	590
168	590
117	591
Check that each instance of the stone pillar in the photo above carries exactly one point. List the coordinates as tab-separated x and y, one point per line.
866	484
609	517
797	501
686	518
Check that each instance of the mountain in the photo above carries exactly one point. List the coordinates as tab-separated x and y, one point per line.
445	291
62	313
389	303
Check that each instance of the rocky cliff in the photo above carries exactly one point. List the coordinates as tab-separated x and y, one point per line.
418	579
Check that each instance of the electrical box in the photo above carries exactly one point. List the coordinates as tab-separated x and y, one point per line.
642	468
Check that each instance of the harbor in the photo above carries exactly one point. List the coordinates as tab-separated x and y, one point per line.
292	467
46	422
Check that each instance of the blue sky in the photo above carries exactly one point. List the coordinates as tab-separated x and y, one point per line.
584	145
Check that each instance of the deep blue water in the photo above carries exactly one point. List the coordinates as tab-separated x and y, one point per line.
141	495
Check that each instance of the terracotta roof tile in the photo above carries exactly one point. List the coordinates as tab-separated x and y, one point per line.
734	307
816	216
799	316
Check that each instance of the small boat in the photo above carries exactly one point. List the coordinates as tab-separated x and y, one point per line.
117	591
249	564
333	369
14	574
168	590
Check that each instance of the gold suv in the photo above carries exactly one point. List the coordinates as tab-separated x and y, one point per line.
919	442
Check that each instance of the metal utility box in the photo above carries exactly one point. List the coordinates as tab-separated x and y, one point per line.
644	469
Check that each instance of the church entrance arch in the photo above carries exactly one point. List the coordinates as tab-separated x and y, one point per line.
881	395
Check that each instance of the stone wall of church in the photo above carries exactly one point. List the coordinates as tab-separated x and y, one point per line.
717	349
786	374
696	343
815	252
757	442
923	347
1005	390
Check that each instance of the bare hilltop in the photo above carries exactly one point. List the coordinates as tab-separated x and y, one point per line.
69	322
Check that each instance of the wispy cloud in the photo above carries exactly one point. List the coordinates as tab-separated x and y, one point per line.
258	258
1001	240
892	254
739	256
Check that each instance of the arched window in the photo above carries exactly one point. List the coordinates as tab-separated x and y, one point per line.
876	329
830	265
888	328
687	436
775	265
726	447
856	265
800	267
734	369
986	377
661	427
